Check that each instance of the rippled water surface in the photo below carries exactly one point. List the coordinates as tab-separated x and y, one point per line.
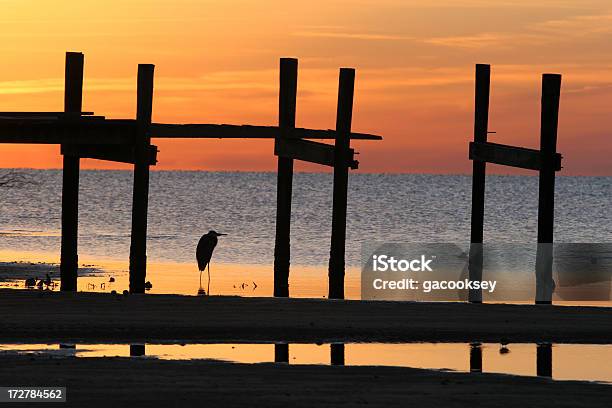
400	208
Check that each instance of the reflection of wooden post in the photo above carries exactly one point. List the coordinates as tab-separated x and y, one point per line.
551	90
341	165
544	360
281	353
336	351
137	350
481	123
475	358
73	97
286	120
140	199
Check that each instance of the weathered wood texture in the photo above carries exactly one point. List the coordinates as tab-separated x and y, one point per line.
211	131
512	156
286	122
121	154
79	131
309	151
140	199
481	125
344	118
551	91
73	99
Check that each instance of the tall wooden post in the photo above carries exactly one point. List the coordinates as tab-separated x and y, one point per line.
73	99
344	117
140	199
481	124
286	121
551	92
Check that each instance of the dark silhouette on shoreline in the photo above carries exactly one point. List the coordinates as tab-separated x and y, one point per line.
204	252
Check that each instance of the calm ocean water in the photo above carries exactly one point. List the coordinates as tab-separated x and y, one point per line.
382	207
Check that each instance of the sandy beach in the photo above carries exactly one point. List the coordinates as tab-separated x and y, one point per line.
44	316
144	382
38	316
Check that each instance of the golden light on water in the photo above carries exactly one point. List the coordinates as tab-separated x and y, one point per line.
569	361
183	278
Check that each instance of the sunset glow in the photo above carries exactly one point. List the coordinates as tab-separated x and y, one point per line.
217	62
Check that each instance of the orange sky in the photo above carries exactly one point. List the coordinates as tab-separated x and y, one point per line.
216	62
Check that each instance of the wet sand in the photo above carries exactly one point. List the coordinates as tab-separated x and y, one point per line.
42	316
94	382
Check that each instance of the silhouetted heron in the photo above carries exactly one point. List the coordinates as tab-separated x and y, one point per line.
204	252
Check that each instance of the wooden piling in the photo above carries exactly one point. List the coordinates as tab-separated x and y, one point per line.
286	120
344	117
481	124
140	199
73	99
551	92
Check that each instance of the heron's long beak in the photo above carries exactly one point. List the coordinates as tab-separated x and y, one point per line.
219	234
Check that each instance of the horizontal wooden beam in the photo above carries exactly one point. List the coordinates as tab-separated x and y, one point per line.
68	131
16	115
98	130
115	153
513	156
206	131
309	151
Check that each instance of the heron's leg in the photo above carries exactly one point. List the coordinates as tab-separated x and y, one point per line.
208	288
200	279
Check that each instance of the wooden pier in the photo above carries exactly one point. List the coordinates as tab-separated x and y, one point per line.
85	135
546	161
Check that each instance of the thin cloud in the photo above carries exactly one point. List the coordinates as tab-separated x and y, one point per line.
481	40
261	80
546	32
353	36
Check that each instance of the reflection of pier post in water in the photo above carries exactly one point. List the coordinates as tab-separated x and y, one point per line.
137	350
336	353
544	360
475	358
281	353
